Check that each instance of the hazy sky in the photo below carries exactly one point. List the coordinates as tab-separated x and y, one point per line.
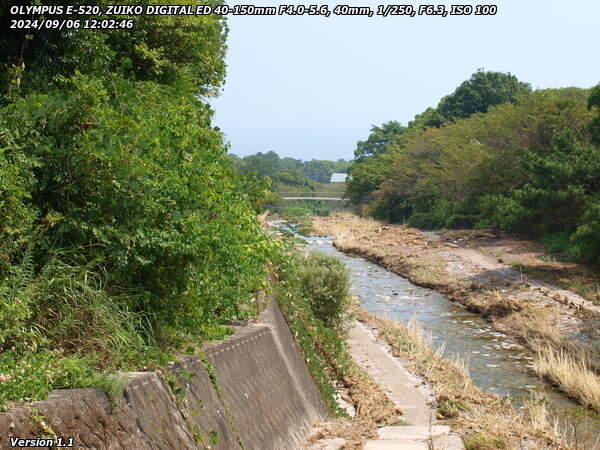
310	87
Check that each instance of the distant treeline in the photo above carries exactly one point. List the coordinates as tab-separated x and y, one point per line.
492	154
289	171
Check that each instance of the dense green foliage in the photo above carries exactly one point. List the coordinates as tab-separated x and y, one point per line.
183	51
475	95
380	139
326	283
298	293
124	231
288	171
479	93
528	164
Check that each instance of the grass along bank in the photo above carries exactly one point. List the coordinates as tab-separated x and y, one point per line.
484	420
513	306
313	291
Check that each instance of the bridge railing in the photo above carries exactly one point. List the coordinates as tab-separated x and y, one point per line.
312	194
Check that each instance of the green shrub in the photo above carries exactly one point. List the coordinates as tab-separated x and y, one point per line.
124	231
134	177
324	349
557	242
325	282
33	374
17	216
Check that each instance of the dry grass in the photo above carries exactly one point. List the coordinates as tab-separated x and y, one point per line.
537	413
570	375
355	432
485	420
369	400
341	225
409	253
373	410
532	325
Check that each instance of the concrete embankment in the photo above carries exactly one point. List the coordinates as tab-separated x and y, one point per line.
252	391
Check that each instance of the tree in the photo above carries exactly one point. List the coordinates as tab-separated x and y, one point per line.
379	140
293	178
262	164
431	117
477	94
319	170
594	104
185	50
367	176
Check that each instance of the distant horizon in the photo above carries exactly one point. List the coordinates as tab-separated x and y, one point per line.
313	95
281	156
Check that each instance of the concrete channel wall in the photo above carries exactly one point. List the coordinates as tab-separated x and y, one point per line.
253	391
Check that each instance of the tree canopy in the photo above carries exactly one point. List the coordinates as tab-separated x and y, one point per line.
124	231
379	139
479	93
288	170
475	95
529	165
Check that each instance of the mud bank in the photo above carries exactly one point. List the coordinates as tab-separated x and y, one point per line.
513	302
515	305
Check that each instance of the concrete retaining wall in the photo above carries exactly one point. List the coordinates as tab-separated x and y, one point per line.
253	392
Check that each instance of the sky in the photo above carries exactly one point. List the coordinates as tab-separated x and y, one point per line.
311	87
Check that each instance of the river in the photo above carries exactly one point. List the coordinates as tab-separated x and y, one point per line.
496	362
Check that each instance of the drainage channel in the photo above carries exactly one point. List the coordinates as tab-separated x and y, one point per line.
496	362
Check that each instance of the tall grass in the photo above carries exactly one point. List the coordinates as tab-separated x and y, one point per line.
486	421
76	312
62	327
570	375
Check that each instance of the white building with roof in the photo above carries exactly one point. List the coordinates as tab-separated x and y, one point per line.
338	177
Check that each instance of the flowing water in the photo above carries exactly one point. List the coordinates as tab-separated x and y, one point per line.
496	362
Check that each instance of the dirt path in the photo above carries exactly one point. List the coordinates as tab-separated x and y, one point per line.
485	271
485	261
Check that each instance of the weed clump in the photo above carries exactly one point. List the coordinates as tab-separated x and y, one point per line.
326	284
318	328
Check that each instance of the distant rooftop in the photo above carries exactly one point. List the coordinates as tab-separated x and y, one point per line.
338	177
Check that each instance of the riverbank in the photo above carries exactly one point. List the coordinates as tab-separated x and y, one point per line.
439	403
483	420
552	322
416	426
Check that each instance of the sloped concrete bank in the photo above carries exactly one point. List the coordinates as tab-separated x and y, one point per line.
252	391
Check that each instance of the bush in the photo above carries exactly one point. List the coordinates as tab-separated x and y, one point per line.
33	374
325	282
325	352
140	237
134	177
557	242
124	231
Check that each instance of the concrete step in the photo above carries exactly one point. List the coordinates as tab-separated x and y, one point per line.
396	444
448	442
413	432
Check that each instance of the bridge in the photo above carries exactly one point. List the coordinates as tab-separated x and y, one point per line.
329	199
326	196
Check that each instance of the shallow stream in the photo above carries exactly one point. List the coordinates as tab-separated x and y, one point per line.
496	362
